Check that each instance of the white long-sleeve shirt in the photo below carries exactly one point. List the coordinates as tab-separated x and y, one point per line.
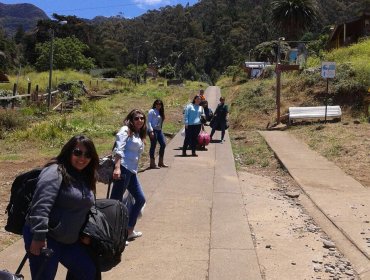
129	148
154	120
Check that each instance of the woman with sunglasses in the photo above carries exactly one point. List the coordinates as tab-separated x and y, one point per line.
192	119
155	123
128	148
63	197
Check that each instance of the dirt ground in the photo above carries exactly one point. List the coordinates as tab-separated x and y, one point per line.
288	242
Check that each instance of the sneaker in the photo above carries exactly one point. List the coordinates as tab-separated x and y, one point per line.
194	155
127	243
134	234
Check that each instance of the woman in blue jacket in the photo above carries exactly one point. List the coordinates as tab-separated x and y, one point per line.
192	120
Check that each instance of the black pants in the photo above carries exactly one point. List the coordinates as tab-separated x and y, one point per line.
191	137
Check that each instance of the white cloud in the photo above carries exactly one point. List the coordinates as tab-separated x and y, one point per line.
143	3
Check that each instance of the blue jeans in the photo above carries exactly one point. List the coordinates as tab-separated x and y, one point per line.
129	181
73	256
158	137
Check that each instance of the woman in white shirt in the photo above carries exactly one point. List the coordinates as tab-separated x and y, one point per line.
129	146
155	122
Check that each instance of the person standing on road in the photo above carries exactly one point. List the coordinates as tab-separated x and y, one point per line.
192	120
156	118
207	111
220	119
128	149
201	95
63	197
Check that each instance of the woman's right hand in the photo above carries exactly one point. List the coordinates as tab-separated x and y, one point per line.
117	173
36	246
151	135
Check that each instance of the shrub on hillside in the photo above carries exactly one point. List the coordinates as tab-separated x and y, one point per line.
347	90
10	120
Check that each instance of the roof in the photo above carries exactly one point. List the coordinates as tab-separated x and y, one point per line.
3	78
352	20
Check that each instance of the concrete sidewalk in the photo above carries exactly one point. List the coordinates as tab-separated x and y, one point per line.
342	200
194	226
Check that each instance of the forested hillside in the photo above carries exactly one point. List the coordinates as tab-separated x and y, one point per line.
193	42
25	16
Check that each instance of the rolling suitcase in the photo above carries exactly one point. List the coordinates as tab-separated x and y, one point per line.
6	275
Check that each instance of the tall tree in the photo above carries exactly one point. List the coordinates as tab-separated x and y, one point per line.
294	15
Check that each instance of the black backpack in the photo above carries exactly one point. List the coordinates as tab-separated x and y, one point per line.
21	194
107	227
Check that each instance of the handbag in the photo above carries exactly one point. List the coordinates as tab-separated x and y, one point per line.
203	138
105	169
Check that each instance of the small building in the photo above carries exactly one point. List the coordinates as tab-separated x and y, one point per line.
3	78
350	32
151	71
254	69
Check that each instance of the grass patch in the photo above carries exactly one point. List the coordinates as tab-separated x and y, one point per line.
251	149
45	132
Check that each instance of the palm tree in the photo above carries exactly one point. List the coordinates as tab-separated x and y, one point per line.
294	15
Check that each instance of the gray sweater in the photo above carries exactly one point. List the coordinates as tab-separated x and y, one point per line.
59	211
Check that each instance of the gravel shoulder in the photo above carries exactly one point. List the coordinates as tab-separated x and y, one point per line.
288	242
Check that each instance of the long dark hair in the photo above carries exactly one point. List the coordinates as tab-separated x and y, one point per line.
65	165
161	111
129	121
195	97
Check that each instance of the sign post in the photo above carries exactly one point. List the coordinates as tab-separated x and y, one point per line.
281	68
327	72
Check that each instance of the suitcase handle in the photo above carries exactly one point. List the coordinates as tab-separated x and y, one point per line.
44	251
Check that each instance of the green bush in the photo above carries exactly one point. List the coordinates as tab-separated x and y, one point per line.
11	120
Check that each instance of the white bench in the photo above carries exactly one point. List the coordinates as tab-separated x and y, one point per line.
314	113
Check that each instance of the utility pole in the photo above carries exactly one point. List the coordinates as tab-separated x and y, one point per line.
51	54
278	80
137	59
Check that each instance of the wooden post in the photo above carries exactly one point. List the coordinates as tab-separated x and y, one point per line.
37	94
326	98
29	91
14	93
278	86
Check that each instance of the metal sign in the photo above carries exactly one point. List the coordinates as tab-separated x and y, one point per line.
328	70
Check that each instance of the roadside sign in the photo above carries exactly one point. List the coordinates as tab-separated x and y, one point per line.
328	70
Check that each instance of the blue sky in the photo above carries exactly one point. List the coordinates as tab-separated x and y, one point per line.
91	8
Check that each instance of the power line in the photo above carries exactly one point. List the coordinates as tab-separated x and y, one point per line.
94	8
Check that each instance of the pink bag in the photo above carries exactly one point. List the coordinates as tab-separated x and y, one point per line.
203	138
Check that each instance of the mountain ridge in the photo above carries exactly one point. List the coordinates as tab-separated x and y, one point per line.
14	15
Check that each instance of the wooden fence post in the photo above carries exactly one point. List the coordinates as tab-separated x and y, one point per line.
14	93
37	94
29	91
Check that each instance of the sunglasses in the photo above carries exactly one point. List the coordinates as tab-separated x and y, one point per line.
138	118
79	153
